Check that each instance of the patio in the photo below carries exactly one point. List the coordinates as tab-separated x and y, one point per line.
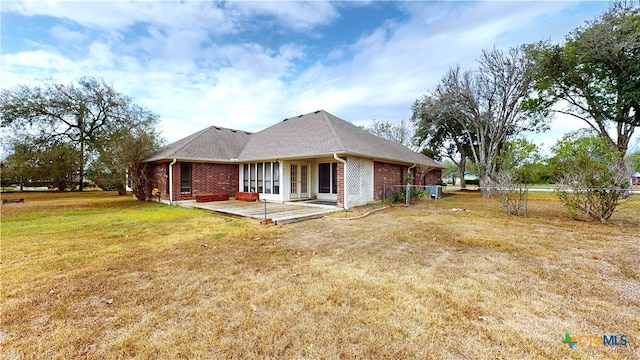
284	213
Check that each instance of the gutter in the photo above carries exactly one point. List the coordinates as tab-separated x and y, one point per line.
408	172
344	180
171	181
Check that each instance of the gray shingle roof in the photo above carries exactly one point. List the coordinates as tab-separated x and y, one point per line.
213	144
310	135
321	133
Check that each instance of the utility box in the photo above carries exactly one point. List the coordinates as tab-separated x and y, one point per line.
434	191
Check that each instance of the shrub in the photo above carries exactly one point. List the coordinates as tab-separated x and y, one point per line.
595	179
511	195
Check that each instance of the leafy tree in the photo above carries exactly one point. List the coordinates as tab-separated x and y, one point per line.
450	171
596	72
633	161
90	115
593	179
439	134
124	162
20	166
81	114
36	163
522	159
488	103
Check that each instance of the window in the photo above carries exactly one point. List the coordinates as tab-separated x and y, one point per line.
328	178
261	177
185	178
276	177
267	178
260	171
245	177
294	179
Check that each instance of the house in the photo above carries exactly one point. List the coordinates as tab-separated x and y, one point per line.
635	178
311	156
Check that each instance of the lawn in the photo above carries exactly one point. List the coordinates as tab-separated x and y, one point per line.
102	276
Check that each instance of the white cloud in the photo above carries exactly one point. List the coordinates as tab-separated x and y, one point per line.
63	34
171	56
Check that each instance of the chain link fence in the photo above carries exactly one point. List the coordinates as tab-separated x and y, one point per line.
534	202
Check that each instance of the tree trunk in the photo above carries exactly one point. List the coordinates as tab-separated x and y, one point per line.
484	183
462	165
81	184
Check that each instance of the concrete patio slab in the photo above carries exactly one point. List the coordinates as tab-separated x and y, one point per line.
280	213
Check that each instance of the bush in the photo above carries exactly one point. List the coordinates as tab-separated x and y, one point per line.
511	195
595	179
399	195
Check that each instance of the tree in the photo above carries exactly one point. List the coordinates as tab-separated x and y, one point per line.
128	147
90	115
20	166
596	72
593	179
450	171
523	160
38	163
402	133
488	105
79	114
633	161
439	134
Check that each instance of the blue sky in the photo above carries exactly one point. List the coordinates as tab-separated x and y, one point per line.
247	65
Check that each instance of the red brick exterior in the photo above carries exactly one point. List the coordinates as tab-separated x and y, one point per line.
429	177
386	174
207	178
340	184
159	179
215	178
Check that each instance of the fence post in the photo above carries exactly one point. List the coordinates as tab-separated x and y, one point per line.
384	192
407	195
526	200
265	209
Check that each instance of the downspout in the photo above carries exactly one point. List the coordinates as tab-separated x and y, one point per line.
344	180
407	192
171	181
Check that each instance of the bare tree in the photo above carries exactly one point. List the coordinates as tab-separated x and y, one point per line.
439	134
402	133
487	104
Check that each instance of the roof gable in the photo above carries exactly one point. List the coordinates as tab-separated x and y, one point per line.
211	144
321	133
310	135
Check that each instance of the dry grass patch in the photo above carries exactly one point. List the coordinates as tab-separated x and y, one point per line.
150	281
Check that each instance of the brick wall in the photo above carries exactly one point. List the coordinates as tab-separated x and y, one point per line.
385	174
340	180
430	176
159	179
205	179
394	174
215	179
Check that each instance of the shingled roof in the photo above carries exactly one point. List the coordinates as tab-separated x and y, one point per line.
310	135
213	144
323	134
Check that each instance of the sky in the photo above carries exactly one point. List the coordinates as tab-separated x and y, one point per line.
247	65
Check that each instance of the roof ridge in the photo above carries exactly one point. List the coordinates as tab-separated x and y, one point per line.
190	139
332	128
